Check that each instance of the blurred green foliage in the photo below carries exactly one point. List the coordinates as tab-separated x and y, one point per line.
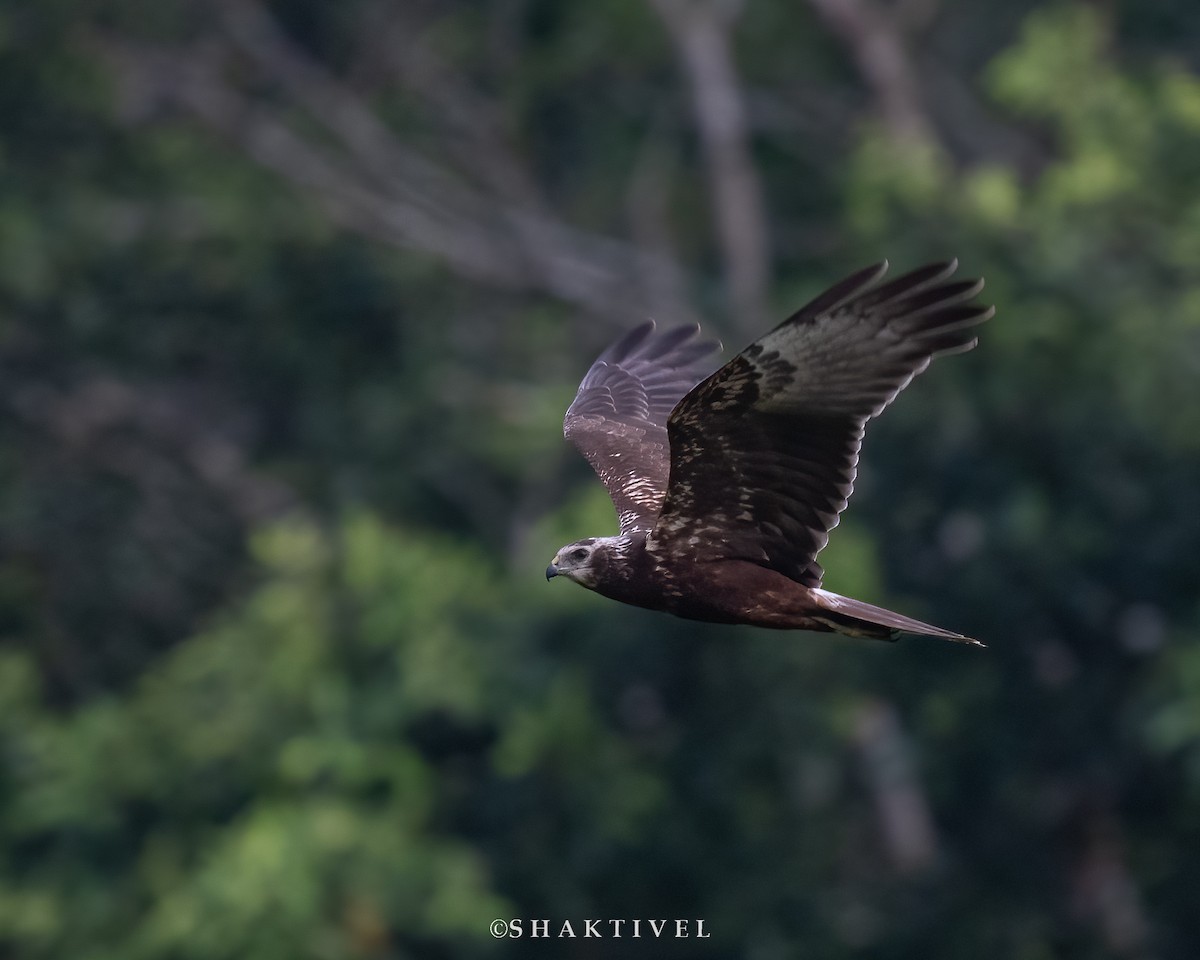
279	676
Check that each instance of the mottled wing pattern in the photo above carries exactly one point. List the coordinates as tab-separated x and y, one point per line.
618	418
764	452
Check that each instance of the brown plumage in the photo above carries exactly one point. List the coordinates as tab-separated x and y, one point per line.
726	486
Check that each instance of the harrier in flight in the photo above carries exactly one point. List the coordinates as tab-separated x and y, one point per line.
727	484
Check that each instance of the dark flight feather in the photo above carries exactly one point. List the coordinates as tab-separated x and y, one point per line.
764	452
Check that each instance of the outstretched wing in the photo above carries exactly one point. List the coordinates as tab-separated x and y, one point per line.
764	452
618	418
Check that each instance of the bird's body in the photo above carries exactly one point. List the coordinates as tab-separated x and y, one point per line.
726	486
734	591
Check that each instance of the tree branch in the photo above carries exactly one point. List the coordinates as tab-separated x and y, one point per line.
906	825
700	30
372	182
878	44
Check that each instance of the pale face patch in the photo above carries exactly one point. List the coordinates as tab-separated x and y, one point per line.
581	561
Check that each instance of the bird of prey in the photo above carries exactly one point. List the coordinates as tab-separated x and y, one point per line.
727	484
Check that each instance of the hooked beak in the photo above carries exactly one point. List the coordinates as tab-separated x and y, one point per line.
551	572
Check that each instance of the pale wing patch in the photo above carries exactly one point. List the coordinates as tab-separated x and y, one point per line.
618	418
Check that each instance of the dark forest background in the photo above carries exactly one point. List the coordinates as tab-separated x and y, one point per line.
292	298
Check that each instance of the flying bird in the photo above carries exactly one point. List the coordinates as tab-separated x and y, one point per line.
726	484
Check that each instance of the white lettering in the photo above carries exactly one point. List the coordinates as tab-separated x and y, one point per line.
617	928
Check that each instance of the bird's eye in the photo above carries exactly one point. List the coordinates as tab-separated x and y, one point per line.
579	554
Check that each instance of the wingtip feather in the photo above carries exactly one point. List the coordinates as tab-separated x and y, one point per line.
628	343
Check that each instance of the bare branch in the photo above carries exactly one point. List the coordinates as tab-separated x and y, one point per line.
906	825
700	30
476	135
878	45
1103	891
915	15
646	201
321	135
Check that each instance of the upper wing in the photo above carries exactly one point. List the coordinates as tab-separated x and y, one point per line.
618	418
764	452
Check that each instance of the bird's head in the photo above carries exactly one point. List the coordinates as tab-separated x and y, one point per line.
583	561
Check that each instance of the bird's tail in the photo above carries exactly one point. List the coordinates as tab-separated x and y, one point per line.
860	619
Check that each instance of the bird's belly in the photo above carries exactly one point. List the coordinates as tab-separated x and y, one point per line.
736	591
